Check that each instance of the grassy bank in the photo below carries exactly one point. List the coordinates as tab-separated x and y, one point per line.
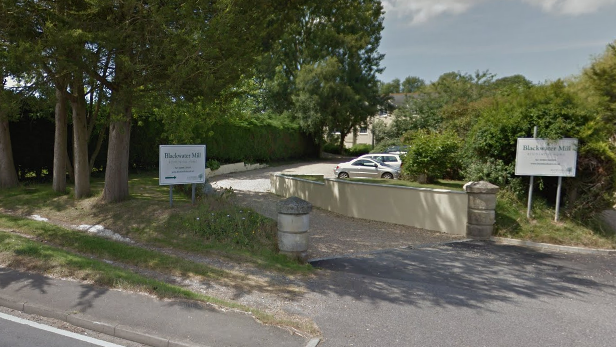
213	227
511	222
27	254
167	242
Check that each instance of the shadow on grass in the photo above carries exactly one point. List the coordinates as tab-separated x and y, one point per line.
506	224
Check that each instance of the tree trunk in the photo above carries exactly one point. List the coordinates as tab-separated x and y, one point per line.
423	178
341	144
116	172
60	142
8	175
80	140
97	149
69	167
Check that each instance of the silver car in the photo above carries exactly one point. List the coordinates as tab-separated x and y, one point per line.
365	168
392	160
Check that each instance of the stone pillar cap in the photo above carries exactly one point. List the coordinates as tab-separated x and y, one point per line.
294	205
481	187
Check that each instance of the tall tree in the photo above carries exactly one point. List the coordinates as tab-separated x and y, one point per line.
175	49
601	76
8	175
60	158
343	35
391	87
178	49
324	100
412	84
50	38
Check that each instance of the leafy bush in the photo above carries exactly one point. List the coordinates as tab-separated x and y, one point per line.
213	164
432	155
383	145
236	227
558	113
258	140
493	170
332	148
359	149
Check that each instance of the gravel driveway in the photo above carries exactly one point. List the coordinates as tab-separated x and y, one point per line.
331	234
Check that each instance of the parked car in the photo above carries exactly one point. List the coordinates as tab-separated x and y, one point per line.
392	160
365	168
397	149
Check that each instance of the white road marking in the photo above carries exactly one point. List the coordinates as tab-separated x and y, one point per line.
58	331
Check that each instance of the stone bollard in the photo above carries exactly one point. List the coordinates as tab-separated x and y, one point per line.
293	223
481	209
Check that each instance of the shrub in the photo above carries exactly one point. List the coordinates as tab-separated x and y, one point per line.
359	149
258	140
332	148
432	156
493	170
383	145
213	164
491	145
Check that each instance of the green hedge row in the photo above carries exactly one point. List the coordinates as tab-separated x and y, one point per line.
257	140
227	142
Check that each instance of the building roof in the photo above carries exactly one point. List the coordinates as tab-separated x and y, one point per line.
398	99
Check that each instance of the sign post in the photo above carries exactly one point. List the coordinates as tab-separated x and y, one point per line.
543	157
532	183
181	164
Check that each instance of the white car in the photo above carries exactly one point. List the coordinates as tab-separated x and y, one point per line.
365	168
392	160
397	149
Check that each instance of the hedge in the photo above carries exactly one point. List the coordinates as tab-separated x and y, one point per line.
256	140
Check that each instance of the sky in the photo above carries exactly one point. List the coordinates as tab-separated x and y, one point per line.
542	40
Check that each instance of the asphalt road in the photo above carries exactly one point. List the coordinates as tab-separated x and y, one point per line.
461	294
468	294
17	332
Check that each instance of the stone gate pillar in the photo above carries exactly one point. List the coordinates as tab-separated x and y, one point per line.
481	209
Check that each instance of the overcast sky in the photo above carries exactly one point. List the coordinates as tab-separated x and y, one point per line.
541	39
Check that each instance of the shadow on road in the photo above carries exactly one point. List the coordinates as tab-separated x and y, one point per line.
37	283
466	274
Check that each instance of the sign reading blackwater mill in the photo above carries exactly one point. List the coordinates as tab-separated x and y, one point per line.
542	157
181	164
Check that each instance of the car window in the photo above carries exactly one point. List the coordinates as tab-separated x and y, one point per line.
389	159
361	162
367	162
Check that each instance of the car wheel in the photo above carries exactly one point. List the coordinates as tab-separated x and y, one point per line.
343	175
387	175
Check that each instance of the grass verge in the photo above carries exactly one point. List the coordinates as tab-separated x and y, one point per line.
439	184
109	250
213	227
25	254
314	178
511	222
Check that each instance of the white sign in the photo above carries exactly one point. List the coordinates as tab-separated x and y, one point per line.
181	164
542	157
